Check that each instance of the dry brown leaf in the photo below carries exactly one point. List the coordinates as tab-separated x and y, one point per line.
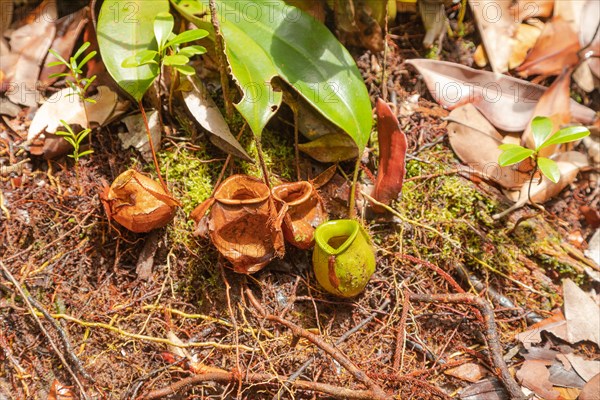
62	105
136	135
582	314
7	7
587	369
333	147
567	393
58	391
30	44
524	40
554	104
555	50
569	164
487	389
316	8
590	18
475	141
205	111
534	375
507	102
556	324
68	29
591	391
470	372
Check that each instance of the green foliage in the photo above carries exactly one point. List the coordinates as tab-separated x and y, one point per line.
78	83
168	50
541	128
75	139
281	41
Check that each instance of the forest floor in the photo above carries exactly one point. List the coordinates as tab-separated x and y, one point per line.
134	314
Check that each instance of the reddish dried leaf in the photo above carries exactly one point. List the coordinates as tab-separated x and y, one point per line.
139	203
58	391
555	49
591	390
535	376
508	103
392	154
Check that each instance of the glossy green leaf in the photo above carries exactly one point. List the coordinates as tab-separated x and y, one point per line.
185	69
175	60
124	29
267	39
567	135
513	154
188	36
191	51
141	58
541	128
333	147
549	168
163	26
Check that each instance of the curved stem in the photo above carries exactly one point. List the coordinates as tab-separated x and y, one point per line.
162	182
535	170
352	206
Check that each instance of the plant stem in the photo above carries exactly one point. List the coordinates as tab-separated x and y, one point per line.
351	206
535	169
294	108
162	182
262	161
220	48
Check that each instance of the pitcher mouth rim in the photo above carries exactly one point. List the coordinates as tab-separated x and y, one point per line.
297	201
324	244
254	200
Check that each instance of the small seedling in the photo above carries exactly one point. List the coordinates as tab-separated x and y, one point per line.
541	128
169	53
75	139
77	82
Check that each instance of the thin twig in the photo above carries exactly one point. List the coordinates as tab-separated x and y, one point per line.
145	118
376	391
401	336
491	334
25	298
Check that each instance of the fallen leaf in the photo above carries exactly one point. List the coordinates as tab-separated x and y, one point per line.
392	154
63	105
487	389
205	111
590	19
9	108
555	50
582	314
587	369
591	391
524	40
507	102
567	393
333	147
560	376
554	104
556	324
534	375
68	29
58	391
593	251
136	135
475	141
30	44
470	372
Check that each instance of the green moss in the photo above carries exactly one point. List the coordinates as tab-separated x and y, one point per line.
278	153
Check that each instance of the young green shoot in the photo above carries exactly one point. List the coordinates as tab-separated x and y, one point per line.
541	128
75	139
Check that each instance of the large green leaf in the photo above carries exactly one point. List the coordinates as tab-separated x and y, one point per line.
125	28
266	39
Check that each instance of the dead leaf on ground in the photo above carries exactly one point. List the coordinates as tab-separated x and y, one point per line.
205	111
330	148
69	108
565	376
587	369
554	104
593	251
392	154
535	376
487	389
555	50
588	35
582	314
591	391
68	29
556	324
475	141
470	372
507	102
59	391
136	135
30	44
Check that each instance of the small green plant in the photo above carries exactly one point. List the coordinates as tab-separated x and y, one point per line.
75	139
541	128
169	52
79	84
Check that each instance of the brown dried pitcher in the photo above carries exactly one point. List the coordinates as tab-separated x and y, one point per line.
304	211
242	223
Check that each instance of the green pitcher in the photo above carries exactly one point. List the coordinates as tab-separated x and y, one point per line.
343	258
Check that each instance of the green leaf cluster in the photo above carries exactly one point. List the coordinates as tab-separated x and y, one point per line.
168	51
541	128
